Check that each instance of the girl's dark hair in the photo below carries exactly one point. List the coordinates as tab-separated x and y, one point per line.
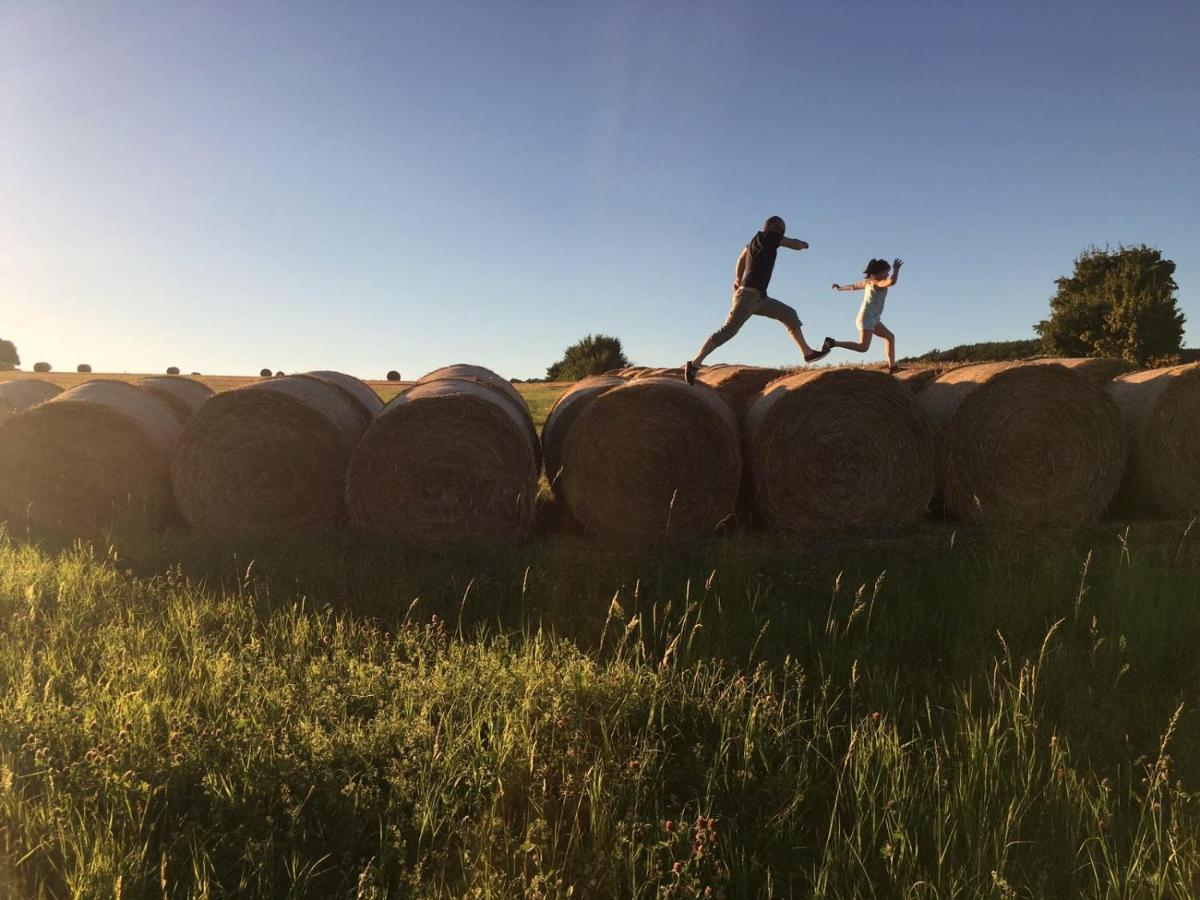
875	266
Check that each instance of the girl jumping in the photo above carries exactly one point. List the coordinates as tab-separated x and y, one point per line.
875	287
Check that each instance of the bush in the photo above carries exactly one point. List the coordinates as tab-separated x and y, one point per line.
42	367
1117	303
83	368
595	354
9	358
393	375
984	351
173	370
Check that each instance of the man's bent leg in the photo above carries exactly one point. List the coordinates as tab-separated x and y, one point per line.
781	312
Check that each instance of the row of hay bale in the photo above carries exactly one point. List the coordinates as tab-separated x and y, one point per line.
454	457
1050	442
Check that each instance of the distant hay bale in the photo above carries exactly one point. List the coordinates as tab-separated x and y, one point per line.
916	378
1161	412
359	390
393	375
264	373
268	459
183	395
41	367
23	393
1020	444
1101	370
739	386
174	370
89	459
840	448
653	459
280	374
83	369
449	460
485	376
563	414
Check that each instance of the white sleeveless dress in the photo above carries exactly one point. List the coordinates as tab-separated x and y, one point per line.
872	307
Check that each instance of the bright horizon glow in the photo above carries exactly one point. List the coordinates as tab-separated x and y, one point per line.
225	187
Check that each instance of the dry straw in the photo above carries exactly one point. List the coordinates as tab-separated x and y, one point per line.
1161	411
184	395
485	376
738	385
1100	369
268	459
653	459
90	459
840	448
362	392
1022	444
657	373
564	413
916	378
22	393
448	460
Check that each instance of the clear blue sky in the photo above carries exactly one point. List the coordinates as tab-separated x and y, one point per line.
227	186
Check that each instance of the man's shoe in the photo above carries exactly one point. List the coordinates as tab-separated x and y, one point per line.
828	345
689	372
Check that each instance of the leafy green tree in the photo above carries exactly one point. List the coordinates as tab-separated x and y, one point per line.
9	359
1117	303
593	355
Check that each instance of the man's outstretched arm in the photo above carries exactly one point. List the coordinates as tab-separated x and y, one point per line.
741	268
793	243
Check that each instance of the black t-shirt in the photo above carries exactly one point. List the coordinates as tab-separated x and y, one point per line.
761	262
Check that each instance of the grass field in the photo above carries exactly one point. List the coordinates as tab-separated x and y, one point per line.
925	714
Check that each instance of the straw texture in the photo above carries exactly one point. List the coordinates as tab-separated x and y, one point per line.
269	458
1101	370
184	395
838	448
563	415
1025	444
362	392
653	459
485	376
1161	412
739	386
91	458
447	461
22	393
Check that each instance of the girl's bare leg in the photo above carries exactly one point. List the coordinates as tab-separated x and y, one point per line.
863	344
889	343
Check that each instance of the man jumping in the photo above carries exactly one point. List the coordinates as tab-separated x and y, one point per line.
754	267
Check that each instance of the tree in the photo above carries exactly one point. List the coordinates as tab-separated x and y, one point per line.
9	359
1117	303
593	355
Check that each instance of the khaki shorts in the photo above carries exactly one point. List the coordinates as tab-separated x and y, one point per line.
749	302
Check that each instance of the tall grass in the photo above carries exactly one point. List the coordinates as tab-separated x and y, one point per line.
931	715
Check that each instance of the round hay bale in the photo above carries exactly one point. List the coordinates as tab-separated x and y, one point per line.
840	448
83	369
89	459
174	370
1101	370
268	459
563	414
1035	445
280	374
485	376
916	378
359	390
41	367
23	393
653	459
659	373
393	375
448	460
739	386
264	373
1161	409
182	394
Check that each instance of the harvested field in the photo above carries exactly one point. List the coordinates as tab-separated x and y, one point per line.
838	448
447	461
268	459
1025	444
653	459
89	459
563	415
1161	412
